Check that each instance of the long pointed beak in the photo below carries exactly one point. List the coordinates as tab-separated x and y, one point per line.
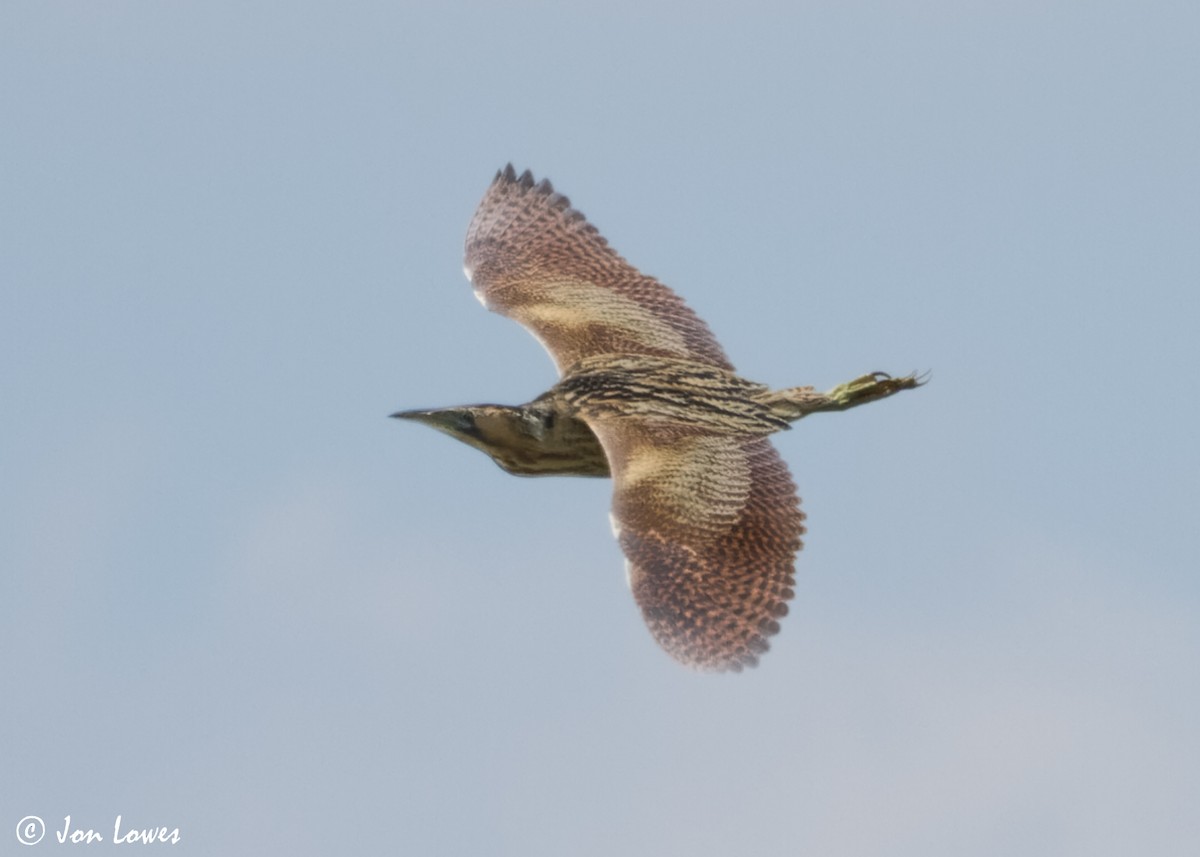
456	422
410	415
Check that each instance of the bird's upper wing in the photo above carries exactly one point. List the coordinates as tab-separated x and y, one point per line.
710	540
533	258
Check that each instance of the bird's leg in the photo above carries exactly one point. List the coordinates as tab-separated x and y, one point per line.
797	402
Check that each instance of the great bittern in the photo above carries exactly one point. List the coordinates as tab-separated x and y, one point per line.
703	507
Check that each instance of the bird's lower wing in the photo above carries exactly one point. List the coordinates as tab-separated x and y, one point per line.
710	526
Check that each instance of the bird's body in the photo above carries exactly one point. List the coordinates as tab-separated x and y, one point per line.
546	437
703	506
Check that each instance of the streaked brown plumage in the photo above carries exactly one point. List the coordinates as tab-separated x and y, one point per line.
703	506
540	438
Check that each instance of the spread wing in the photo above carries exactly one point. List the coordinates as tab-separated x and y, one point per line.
533	258
709	525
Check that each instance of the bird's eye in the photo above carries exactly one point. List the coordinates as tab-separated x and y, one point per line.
466	423
533	424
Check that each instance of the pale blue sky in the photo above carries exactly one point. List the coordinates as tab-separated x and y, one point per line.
238	600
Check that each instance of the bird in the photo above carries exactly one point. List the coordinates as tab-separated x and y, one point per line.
703	506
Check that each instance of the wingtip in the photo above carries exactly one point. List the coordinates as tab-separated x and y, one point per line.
508	178
527	181
511	193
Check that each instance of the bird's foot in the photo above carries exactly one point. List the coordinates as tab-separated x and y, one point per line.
870	388
796	403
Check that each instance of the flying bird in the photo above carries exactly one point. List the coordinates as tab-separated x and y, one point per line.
704	508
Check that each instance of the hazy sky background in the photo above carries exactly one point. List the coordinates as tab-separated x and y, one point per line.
238	600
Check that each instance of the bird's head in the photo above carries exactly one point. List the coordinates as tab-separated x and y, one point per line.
529	440
514	437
